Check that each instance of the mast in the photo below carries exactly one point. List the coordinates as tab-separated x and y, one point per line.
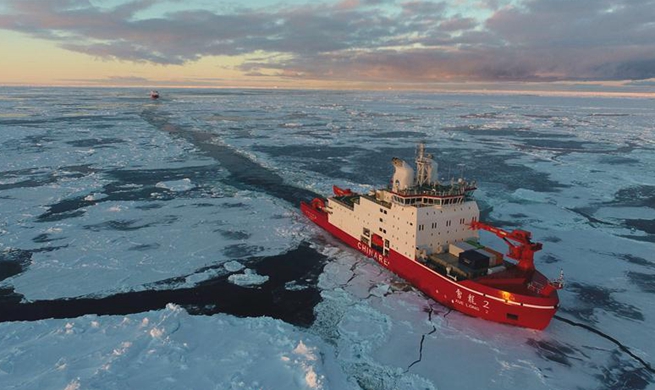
423	166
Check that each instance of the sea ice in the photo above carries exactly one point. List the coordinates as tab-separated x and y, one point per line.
122	246
248	278
166	349
551	165
233	266
177	185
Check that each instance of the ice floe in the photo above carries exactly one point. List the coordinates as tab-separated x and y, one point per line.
177	185
248	278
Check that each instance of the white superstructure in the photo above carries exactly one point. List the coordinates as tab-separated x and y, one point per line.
415	217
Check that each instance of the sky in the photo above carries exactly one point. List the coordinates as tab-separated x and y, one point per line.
577	45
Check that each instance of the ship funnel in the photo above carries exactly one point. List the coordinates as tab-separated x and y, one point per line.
403	177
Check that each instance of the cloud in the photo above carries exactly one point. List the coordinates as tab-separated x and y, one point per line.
127	79
137	81
416	41
111	80
416	65
458	23
642	83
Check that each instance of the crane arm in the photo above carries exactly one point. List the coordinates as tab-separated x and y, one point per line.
521	247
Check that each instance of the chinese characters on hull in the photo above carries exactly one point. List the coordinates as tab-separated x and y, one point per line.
468	300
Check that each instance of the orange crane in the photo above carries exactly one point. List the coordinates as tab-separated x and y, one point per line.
521	247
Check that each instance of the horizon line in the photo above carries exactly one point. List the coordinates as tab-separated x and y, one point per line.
479	91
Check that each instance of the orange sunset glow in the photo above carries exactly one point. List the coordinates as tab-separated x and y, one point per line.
453	46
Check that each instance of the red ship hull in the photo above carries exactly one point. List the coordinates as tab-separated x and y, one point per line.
469	296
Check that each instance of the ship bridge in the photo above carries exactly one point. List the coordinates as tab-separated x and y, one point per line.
424	188
439	195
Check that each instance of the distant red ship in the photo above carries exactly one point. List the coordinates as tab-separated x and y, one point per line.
426	232
154	94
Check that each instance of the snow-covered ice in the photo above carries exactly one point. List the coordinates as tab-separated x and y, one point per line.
120	246
166	349
135	193
248	278
177	185
233	266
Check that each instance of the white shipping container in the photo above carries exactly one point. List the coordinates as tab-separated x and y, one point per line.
493	270
458	247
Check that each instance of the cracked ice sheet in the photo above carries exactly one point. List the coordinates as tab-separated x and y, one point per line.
360	120
591	253
25	146
165	349
598	147
176	239
358	328
348	119
377	339
464	352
